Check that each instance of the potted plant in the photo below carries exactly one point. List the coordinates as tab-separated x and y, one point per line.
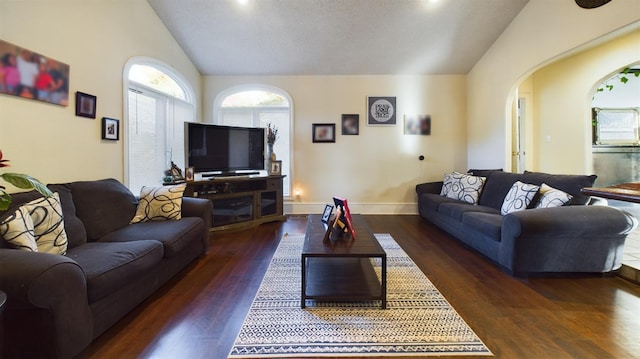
20	181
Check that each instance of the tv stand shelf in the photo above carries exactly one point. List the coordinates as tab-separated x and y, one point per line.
241	202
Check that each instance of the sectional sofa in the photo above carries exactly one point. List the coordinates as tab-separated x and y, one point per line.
98	268
530	222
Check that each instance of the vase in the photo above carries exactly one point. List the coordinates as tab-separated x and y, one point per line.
271	156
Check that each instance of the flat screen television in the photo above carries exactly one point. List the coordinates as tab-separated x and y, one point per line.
224	149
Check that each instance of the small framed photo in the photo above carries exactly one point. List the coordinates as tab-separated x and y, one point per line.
110	129
85	105
350	125
381	111
417	125
275	168
189	174
326	215
324	132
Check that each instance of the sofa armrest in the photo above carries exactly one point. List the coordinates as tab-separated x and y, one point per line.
565	239
47	306
197	207
429	187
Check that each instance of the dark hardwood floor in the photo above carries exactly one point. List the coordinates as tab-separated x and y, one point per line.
199	313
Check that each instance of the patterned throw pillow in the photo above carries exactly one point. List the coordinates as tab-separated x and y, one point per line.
41	224
17	229
159	203
552	197
519	197
462	187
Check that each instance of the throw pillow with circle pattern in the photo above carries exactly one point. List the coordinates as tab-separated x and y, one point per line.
462	187
519	197
552	197
159	203
37	226
17	229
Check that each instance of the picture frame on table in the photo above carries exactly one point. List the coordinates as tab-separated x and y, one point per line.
275	168
189	174
110	129
326	215
86	105
324	132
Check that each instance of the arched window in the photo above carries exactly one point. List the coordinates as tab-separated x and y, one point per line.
158	102
259	106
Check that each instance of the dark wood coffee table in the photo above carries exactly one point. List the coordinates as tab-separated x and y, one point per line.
342	270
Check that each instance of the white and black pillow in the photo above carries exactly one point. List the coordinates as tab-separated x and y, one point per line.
17	229
462	187
552	197
519	197
159	203
37	226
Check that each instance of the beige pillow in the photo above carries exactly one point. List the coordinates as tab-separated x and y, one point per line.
159	203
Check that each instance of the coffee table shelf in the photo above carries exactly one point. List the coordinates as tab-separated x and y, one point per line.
342	270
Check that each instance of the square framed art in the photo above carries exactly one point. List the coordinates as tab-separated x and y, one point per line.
110	129
350	124
381	111
324	132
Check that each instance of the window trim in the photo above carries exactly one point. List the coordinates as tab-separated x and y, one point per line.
217	105
167	69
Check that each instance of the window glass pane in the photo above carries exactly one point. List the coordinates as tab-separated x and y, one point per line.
254	99
258	108
157	80
147	138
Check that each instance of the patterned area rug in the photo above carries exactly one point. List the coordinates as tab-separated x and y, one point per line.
418	320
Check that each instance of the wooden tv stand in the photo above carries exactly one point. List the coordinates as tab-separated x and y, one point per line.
241	202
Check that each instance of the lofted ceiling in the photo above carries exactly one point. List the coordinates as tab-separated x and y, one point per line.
336	37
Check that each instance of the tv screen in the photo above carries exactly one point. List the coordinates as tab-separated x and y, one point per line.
214	148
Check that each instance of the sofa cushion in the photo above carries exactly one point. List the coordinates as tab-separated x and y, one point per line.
458	209
110	265
73	226
571	184
519	197
174	235
487	223
462	187
432	201
551	197
496	189
103	206
159	203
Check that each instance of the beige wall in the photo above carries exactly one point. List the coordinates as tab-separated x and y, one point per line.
378	169
544	31
563	93
96	38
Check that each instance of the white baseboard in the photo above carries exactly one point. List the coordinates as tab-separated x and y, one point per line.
291	207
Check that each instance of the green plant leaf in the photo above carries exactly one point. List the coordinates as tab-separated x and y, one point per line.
26	182
624	79
5	200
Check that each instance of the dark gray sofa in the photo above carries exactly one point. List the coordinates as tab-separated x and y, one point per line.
57	304
577	237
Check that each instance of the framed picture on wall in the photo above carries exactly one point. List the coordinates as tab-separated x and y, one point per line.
417	125
350	125
324	132
110	129
85	105
381	111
